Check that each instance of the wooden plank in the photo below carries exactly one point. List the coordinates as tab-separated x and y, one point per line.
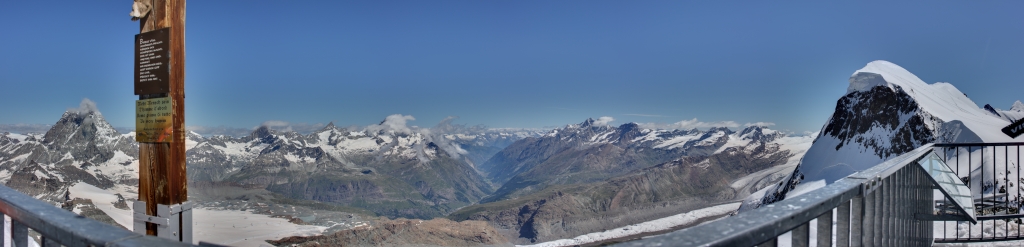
162	173
178	192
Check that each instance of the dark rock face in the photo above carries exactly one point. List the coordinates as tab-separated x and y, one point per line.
859	112
33	180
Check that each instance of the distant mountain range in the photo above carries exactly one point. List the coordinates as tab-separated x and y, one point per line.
530	185
618	174
391	169
587	177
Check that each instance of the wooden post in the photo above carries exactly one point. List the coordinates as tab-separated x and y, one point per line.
162	177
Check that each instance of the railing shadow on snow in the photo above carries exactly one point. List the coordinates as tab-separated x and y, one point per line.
895	203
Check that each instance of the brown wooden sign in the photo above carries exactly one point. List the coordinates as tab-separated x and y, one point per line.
152	62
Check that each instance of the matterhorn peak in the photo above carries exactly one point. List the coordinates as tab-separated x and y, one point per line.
587	123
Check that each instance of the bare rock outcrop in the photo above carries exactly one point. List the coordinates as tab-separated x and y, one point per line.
406	232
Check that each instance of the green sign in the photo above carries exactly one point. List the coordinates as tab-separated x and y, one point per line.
153	120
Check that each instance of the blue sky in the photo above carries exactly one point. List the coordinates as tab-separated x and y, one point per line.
507	63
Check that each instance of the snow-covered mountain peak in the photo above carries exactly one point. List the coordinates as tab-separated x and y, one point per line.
940	100
1017	106
758	133
886	112
85	125
330	126
587	123
882	73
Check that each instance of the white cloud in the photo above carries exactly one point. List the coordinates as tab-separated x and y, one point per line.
690	124
302	128
86	106
604	120
643	115
395	123
759	124
274	123
694	123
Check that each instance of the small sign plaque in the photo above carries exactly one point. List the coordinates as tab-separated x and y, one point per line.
152	62
1015	129
153	120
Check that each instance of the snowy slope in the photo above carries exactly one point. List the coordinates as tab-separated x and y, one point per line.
888	111
833	157
942	100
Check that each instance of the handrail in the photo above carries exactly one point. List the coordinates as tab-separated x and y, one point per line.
977	144
882	202
992	171
64	227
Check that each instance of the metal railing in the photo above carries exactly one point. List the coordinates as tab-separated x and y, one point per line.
875	207
993	173
61	227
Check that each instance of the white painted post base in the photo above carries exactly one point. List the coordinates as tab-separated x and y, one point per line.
167	220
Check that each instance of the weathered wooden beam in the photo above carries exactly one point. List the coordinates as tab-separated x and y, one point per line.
162	173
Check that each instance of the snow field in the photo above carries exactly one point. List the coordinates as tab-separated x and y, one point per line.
227	227
645	227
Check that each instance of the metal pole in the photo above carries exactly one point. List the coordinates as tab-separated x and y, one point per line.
3	222
876	236
901	214
843	225
770	243
19	234
802	235
887	210
869	219
857	221
825	228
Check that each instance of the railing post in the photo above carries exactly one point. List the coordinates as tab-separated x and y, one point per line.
770	243
877	222
825	228
927	227
916	200
48	242
857	221
901	227
802	235
843	225
886	208
891	210
19	234
869	220
3	223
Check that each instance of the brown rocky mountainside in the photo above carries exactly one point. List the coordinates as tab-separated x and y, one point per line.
682	185
406	232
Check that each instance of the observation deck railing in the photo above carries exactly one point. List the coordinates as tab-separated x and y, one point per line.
993	173
895	203
61	227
